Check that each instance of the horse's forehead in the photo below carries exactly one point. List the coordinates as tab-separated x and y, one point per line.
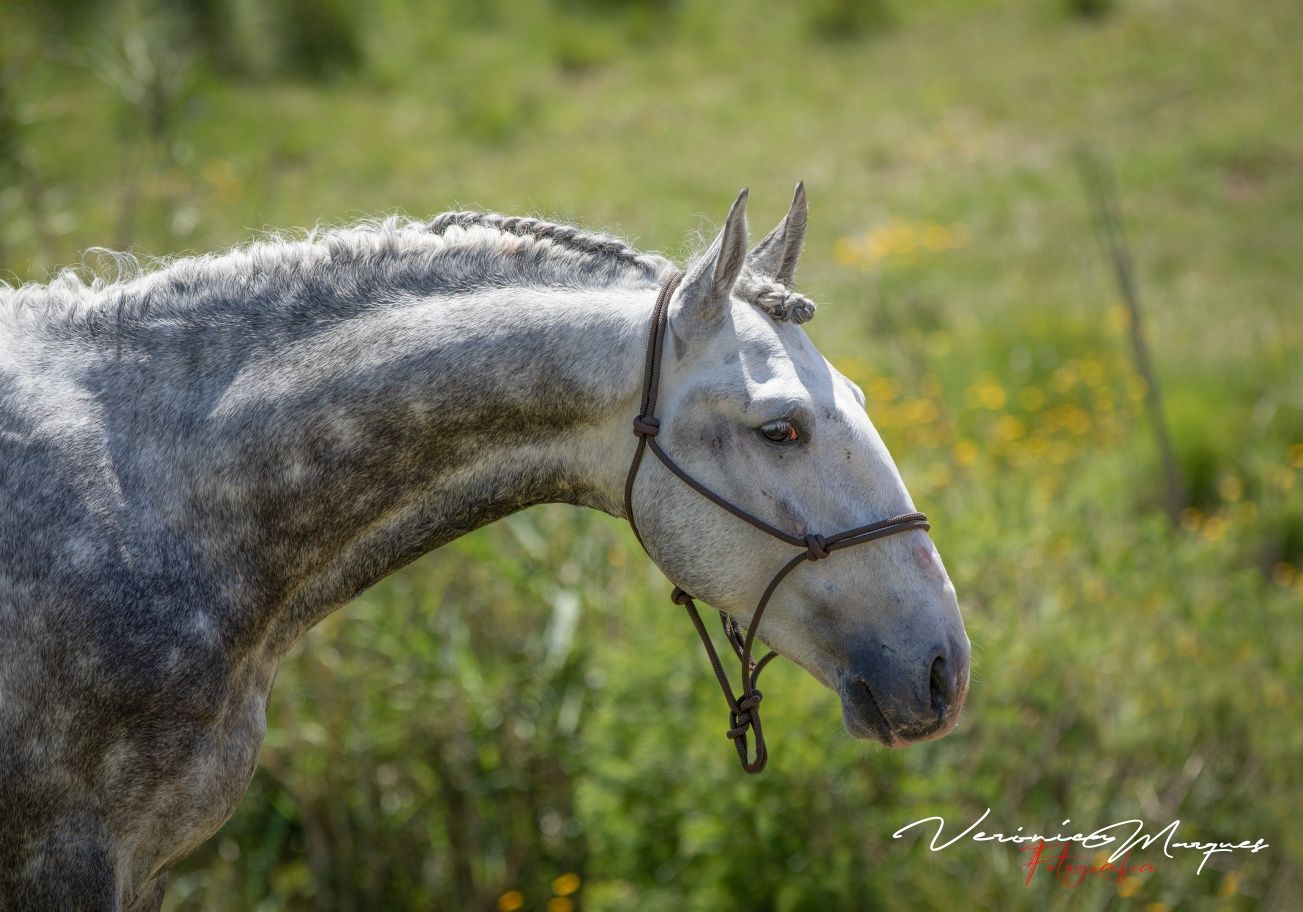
776	352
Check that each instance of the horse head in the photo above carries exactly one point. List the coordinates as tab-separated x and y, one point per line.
749	410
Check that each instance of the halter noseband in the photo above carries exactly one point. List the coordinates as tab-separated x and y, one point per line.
744	712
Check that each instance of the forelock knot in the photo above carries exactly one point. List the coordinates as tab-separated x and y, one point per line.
775	298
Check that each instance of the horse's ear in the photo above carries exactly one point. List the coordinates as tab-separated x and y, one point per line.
705	290
778	253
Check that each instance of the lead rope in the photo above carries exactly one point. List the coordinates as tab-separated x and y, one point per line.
744	711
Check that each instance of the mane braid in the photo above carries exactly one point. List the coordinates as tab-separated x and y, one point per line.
327	272
567	236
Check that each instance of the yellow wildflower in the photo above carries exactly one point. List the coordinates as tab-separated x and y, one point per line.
847	252
965	453
1059	452
1214	528
1230	487
1064	377
882	389
1075	420
1036	447
919	411
987	394
1009	429
898	238
1283	573
566	884
1092	371
1031	398
1117	318
936	237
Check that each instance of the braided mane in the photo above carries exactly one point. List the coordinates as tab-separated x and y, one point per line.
776	299
334	269
588	242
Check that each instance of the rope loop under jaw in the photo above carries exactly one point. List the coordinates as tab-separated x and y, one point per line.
744	711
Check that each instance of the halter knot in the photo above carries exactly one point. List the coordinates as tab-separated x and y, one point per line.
745	716
816	546
646	426
679	597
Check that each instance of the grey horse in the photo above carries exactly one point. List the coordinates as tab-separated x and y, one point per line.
200	461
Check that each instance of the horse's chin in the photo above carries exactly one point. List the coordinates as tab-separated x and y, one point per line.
864	719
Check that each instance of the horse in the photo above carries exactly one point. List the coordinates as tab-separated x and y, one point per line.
201	459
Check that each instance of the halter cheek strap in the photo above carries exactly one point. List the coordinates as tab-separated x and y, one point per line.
744	710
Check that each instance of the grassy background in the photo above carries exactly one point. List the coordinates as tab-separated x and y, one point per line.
521	720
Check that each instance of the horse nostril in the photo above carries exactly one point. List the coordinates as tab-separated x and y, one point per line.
941	689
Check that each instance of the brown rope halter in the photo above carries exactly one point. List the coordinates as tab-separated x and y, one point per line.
744	712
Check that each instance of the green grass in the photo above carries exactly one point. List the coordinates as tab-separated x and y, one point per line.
445	740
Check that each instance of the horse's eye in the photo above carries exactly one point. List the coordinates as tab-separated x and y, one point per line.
780	430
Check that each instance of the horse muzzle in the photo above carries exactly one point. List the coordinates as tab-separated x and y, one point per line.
901	701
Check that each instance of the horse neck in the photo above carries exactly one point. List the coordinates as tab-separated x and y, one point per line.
329	461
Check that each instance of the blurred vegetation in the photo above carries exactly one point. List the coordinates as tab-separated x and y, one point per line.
521	720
